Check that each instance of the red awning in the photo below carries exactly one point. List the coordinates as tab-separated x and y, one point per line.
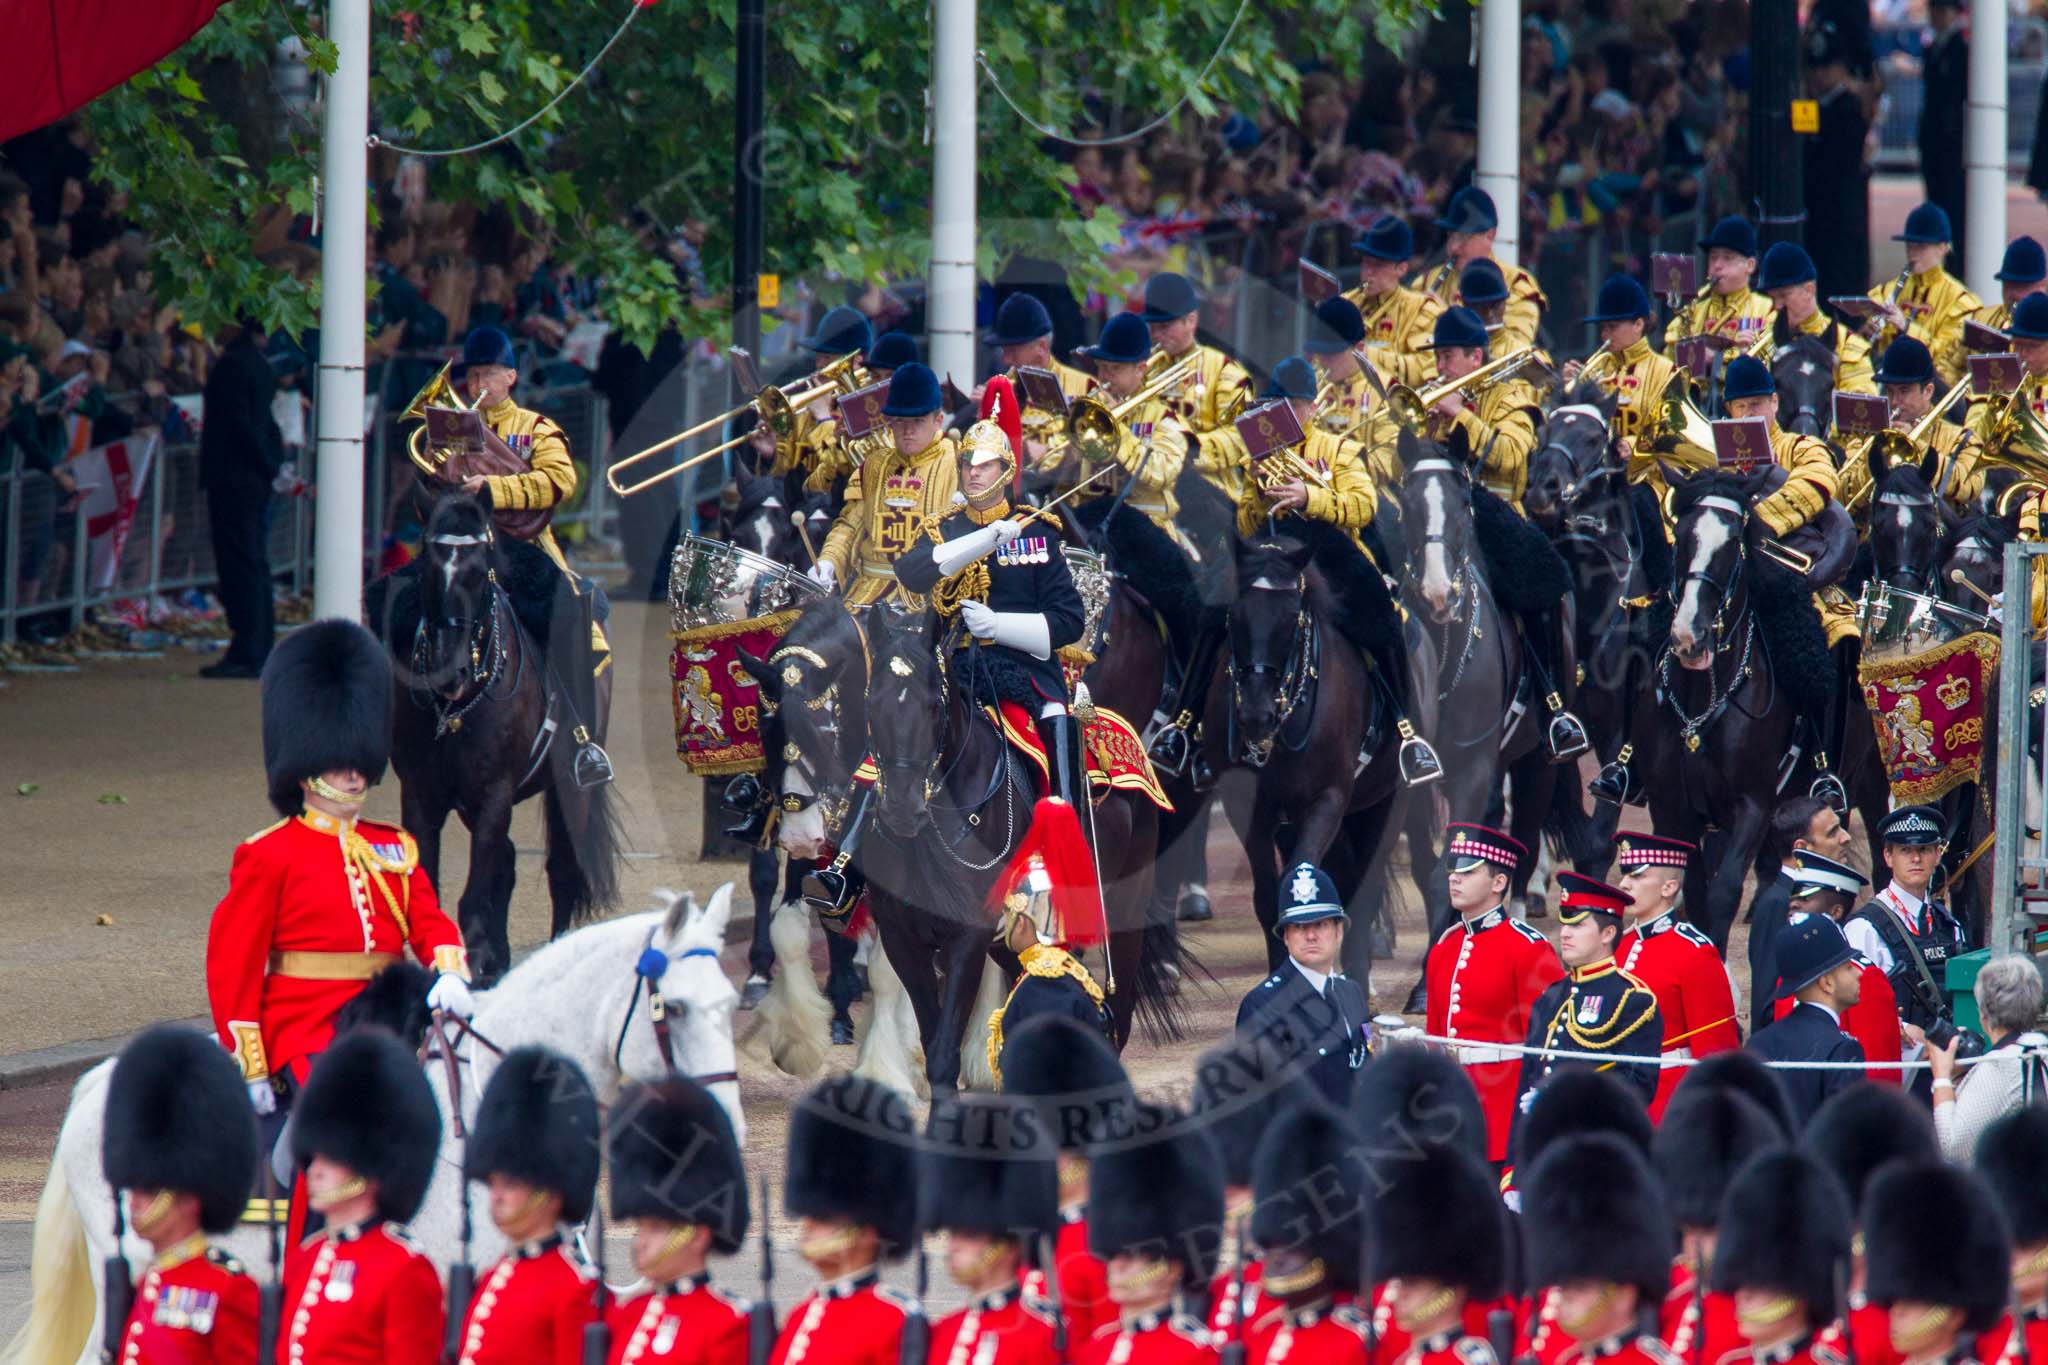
61	53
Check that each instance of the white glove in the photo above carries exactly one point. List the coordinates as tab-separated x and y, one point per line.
262	1098
1007	530
981	622
451	994
286	481
951	556
824	575
1021	630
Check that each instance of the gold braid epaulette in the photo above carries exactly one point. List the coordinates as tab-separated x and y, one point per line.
1045	961
1602	1039
359	851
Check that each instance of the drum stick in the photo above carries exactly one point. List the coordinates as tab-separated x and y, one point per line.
803	528
1956	576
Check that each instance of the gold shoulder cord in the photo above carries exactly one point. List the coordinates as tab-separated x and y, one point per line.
971	583
375	868
1600	1039
1041	961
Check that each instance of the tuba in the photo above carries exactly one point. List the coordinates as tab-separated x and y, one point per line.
437	392
449	463
1681	429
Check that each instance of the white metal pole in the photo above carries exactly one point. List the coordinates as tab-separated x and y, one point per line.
1500	115
951	311
344	171
1985	152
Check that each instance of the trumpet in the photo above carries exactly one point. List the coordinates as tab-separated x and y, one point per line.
777	407
1761	345
1412	409
1095	427
1601	367
437	392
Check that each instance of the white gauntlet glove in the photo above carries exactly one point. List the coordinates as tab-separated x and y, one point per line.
262	1098
824	575
451	995
1025	631
980	621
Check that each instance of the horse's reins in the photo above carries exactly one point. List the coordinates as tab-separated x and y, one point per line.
1718	698
936	781
648	969
1295	675
445	1032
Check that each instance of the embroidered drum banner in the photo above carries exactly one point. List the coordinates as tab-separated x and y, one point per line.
1929	711
717	702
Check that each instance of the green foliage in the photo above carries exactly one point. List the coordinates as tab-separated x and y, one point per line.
646	146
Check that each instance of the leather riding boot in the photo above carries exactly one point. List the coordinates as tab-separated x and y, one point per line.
1417	758
1566	734
1172	746
749	798
1616	781
832	889
1061	736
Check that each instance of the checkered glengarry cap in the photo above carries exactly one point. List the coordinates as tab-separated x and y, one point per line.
1473	844
1636	849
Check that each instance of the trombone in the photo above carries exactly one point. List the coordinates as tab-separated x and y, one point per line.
437	392
778	409
1898	447
1412	409
1095	427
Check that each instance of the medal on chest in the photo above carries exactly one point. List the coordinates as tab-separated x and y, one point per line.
1024	550
1589	1009
341	1283
184	1308
520	444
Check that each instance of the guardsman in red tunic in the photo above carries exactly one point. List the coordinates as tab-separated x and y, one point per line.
321	901
180	1140
1707	1135
1238	1090
1785	1233
1485	972
2011	1155
1695	997
1051	1060
1155	1219
987	1176
1439	1246
1309	1192
535	1146
1858	1130
1939	1258
676	1170
849	1183
1597	1230
367	1133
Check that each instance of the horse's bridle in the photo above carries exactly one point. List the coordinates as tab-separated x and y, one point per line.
486	646
1292	675
1920	578
832	794
1724	592
648	969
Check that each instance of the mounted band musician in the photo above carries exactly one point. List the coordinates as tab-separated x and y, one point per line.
1636	375
1790	279
893	498
1725	306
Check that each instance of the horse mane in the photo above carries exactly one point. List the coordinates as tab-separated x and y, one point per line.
1687	493
820	618
1590	393
1904	478
459	513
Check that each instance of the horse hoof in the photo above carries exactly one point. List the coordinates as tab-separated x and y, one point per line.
842	1032
1418	999
1195	908
754	992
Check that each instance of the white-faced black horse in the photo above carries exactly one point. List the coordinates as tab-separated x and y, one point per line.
481	722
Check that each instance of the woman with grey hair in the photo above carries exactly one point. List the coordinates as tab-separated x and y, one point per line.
2010	1073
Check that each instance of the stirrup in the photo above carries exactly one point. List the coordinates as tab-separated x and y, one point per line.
593	766
1567	733
1169	748
1827	787
1615	781
825	891
1418	761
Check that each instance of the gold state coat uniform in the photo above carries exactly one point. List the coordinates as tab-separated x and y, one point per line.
1735	316
1936	305
898	495
1398	328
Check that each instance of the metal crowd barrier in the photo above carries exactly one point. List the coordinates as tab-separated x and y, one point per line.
2021	754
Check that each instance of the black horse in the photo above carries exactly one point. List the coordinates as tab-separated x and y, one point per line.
1803	369
480	722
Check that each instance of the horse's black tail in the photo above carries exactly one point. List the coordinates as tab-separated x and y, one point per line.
586	881
1164	961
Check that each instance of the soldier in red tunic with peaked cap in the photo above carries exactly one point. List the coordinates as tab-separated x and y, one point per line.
1695	997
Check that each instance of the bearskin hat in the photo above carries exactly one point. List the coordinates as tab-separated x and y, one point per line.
1439	1216
853	1156
1074	1076
1409	1095
988	1166
1591	1210
368	1107
1706	1136
1309	1191
1932	1233
178	1119
2012	1156
1159	1192
1239	1089
1740	1069
674	1157
538	1123
1575	1102
326	705
1784	1227
1859	1129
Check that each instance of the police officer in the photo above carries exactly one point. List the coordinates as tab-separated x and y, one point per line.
1818	969
1398	320
900	492
1789	277
2020	273
1822	886
179	1147
367	1134
1784	1234
535	1146
1309	1195
1932	305
676	1171
1469	224
850	1182
1315	1015
996	1212
1596	1227
1220	387
1156	1222
1725	306
1906	934
1438	1245
1598	1007
1639	375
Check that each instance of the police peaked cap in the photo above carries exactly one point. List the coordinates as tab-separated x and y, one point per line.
326	706
1784	1228
367	1107
987	1166
674	1157
1933	1234
537	1123
1439	1216
1591	1210
853	1158
1308	1191
1914	826
1707	1134
178	1119
1159	1194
